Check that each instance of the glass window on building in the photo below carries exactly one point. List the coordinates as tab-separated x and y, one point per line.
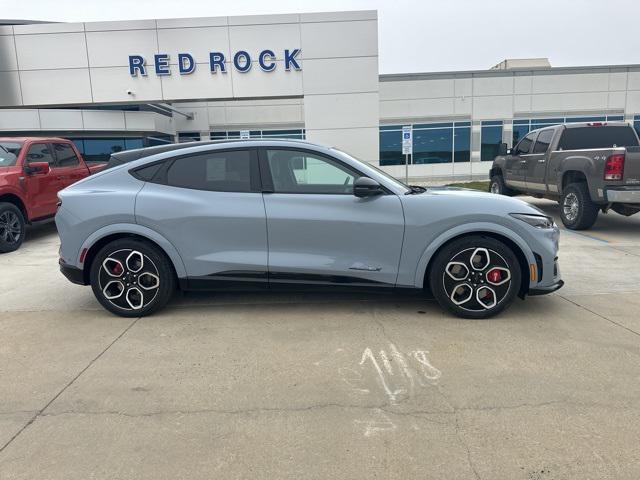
188	137
159	140
636	123
520	129
462	142
391	146
433	145
295	134
98	150
490	139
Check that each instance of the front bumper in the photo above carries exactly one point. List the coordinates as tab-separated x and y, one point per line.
548	289
623	195
73	274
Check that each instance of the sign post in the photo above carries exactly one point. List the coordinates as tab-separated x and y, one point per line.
407	149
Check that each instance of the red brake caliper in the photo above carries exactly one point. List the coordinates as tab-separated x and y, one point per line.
494	275
117	269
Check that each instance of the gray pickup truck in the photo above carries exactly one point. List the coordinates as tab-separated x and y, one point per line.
586	167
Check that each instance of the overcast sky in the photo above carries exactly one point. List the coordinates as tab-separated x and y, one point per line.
416	35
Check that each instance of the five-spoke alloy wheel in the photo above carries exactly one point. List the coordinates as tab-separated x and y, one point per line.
12	227
132	278
475	277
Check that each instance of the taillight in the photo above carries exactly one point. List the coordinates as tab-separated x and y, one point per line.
614	167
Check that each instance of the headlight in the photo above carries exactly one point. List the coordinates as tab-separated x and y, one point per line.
537	221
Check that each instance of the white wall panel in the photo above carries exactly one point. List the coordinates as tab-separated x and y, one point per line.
569	101
263	115
51	87
633	80
19	119
565	83
111	85
35	28
200	84
256	83
522	84
255	38
420	108
341	75
339	16
493	85
61	119
341	111
141	121
354	141
339	39
103	120
494	107
10	89
51	51
112	49
120	25
199	42
8	60
409	89
618	81
191	22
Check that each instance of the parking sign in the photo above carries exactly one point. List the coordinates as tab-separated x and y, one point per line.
407	140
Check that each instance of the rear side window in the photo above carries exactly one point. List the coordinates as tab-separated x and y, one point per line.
40	152
144	173
543	141
9	152
597	137
214	171
65	155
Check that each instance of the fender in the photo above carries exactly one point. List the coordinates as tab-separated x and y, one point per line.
468	228
132	228
8	189
579	163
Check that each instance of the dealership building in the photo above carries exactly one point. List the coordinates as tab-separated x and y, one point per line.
112	86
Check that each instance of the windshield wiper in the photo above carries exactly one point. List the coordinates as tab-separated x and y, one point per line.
413	189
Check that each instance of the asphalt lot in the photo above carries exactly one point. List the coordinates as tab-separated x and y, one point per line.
324	386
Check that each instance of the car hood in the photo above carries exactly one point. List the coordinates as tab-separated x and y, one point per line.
475	201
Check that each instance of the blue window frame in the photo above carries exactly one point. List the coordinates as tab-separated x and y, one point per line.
490	139
297	134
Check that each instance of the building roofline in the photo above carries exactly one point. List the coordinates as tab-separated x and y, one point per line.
391	77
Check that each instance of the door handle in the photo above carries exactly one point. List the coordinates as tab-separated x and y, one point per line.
542	160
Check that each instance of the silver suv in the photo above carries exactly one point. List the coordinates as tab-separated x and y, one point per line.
290	214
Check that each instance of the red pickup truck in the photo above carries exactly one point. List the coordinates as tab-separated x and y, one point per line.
32	172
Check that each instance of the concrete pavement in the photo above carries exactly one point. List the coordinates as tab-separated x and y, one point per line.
324	386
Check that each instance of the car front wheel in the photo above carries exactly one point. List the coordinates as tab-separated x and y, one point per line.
12	227
132	278
475	277
497	186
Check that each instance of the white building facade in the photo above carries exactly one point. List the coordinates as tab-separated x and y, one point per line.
118	85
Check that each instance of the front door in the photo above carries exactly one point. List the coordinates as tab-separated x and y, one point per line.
318	231
67	167
41	188
537	162
516	163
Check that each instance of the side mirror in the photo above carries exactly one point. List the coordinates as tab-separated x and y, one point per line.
502	149
37	168
366	187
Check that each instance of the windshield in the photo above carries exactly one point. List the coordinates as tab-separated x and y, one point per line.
381	172
9	152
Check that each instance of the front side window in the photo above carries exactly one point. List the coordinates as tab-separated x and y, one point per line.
65	155
228	171
295	171
543	141
9	152
40	152
524	146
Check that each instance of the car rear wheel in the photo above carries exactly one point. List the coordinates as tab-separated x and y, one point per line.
132	278
497	186
577	210
12	227
475	277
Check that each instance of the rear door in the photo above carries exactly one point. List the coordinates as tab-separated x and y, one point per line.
516	163
537	161
68	168
319	232
41	188
209	206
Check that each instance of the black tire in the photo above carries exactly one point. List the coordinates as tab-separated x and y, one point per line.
485	297
12	227
497	186
138	297
577	210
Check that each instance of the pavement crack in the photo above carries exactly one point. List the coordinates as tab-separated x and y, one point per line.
57	395
600	315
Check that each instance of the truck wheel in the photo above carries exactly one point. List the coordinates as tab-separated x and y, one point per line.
498	186
577	210
132	278
475	277
12	227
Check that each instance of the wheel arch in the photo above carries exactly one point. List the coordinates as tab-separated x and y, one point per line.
101	238
519	247
17	201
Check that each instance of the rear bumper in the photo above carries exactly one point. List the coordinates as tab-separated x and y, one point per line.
545	290
73	274
623	195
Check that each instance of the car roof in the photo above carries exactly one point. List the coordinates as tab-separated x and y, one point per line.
34	139
130	155
582	125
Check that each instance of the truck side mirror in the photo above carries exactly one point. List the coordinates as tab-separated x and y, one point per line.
502	149
37	168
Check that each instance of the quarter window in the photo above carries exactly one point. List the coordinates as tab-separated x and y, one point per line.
303	172
543	141
214	171
65	155
40	152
